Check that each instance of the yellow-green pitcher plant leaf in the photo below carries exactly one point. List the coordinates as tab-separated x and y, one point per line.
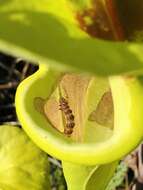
104	172
42	91
38	31
22	164
88	177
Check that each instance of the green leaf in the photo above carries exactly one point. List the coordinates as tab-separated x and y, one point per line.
22	164
39	31
118	177
80	4
88	177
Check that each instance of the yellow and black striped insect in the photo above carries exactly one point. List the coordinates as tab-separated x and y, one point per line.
64	107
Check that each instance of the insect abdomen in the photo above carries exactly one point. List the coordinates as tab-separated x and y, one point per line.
64	107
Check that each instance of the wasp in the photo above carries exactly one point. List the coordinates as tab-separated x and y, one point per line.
64	107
